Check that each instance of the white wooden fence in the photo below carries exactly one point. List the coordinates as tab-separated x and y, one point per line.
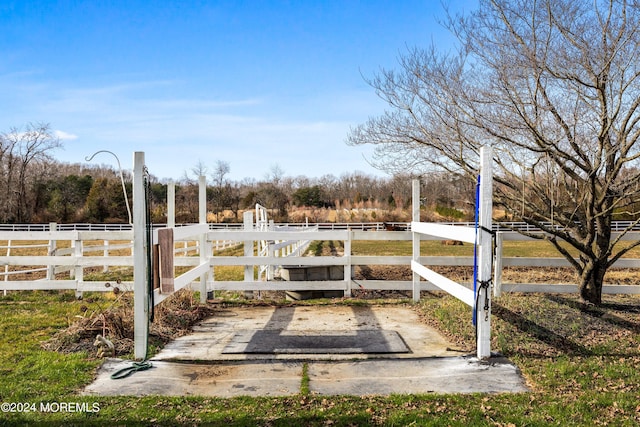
87	249
193	257
478	297
62	251
76	251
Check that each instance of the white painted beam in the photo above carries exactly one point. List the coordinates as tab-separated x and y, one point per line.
457	290
444	231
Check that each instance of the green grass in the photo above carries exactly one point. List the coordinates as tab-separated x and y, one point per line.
304	383
28	372
511	248
581	364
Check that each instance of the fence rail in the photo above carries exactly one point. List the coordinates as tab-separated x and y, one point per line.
616	226
90	249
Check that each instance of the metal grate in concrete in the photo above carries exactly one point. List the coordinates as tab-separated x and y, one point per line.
315	342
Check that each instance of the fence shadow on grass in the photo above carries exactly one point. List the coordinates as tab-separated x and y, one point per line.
541	333
602	312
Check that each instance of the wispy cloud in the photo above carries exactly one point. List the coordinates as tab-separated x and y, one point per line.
177	128
64	136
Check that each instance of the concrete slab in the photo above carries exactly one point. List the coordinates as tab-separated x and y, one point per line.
211	337
197	364
415	376
187	379
358	378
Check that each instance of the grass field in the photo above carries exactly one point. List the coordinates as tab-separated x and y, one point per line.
582	364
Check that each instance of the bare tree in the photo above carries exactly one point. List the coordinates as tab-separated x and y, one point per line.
222	187
275	174
20	150
554	87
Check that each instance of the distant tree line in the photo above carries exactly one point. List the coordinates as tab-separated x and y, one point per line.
36	188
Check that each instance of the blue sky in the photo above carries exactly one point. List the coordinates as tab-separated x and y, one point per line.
252	83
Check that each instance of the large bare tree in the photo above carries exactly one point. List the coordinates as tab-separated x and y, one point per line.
554	87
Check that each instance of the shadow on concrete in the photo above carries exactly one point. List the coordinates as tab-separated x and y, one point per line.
277	338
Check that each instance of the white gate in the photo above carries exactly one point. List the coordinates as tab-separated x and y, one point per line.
145	296
481	236
479	298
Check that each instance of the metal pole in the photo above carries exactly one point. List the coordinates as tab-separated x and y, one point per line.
124	188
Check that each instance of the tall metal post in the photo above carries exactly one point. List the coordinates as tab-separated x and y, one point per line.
140	244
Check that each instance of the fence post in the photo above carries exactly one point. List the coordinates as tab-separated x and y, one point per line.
415	215
271	268
78	270
140	286
6	267
497	266
483	307
247	218
204	248
51	270
105	253
72	270
347	265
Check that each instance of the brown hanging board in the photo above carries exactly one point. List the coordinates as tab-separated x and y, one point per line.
165	249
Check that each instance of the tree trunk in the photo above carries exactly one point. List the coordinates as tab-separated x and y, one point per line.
591	282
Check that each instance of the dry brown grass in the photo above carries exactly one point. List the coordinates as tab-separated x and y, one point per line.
112	316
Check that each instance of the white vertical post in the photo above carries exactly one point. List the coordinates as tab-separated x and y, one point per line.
204	248
348	265
415	237
171	204
271	268
483	309
51	270
78	270
205	253
140	285
72	270
105	254
497	266
6	267
248	251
